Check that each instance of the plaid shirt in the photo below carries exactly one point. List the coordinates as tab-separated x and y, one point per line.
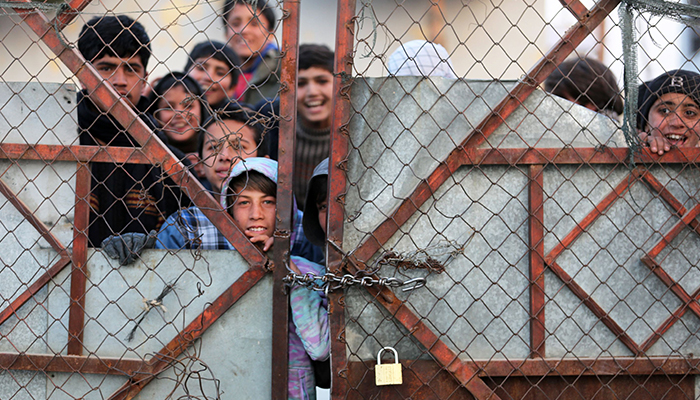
189	228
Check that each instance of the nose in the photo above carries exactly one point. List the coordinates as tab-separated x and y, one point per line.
118	78
256	211
676	120
226	153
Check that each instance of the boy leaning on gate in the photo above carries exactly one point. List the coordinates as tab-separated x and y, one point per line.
125	199
669	111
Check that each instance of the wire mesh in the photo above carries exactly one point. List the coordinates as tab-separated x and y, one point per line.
557	248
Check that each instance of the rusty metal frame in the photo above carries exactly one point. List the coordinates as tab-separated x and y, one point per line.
344	40
464	373
285	199
152	152
467	373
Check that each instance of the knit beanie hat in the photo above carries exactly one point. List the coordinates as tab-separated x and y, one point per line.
676	81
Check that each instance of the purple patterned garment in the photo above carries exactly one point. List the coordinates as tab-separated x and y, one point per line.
309	333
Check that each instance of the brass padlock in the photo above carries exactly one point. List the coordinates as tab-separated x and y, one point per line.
387	374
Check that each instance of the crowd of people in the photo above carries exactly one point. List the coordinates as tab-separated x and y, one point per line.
215	116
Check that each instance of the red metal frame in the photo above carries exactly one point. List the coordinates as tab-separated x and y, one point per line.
78	364
78	275
285	199
344	39
152	151
51	153
466	373
537	265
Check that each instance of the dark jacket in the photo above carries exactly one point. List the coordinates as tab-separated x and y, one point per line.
124	197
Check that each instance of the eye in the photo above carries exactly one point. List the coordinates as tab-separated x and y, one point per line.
322	207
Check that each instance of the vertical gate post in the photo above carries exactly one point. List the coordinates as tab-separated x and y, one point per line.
344	37
285	198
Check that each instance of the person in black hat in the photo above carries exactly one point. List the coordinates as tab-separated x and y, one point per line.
669	112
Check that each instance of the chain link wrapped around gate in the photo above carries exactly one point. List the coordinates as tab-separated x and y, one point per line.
329	282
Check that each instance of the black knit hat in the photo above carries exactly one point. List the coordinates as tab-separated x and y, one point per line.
676	81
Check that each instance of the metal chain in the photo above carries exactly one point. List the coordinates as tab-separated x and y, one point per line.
329	282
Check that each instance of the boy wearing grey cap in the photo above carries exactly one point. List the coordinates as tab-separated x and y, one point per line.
669	112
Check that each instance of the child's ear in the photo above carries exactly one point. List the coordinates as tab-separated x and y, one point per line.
267	156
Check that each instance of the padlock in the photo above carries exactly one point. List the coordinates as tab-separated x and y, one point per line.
387	374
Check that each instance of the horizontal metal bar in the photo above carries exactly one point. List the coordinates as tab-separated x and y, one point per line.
50	153
78	364
578	155
538	367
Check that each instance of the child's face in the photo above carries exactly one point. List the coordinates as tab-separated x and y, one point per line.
225	143
314	94
254	213
247	30
675	117
179	114
214	77
127	75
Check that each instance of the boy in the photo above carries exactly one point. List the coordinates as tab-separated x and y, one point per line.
314	107
227	138
215	67
668	111
251	200
250	26
129	197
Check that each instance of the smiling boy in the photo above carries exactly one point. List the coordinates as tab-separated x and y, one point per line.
669	112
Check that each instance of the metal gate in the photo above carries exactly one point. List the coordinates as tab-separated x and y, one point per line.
559	262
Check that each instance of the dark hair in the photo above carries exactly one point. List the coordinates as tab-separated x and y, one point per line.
265	10
316	55
587	81
675	81
175	79
114	36
249	180
218	51
242	114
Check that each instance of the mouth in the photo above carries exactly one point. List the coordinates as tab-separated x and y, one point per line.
315	106
676	139
255	230
179	127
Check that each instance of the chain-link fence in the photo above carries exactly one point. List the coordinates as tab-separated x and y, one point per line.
512	198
